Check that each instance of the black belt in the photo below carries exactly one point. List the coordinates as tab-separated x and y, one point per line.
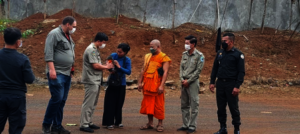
226	80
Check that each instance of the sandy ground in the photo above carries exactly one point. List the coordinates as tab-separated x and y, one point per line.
260	113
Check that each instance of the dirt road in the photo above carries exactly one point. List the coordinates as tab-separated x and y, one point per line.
261	114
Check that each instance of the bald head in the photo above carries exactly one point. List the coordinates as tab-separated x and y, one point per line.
155	42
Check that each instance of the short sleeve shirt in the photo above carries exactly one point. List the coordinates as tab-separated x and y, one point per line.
89	74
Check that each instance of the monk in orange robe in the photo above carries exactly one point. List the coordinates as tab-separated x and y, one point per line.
152	79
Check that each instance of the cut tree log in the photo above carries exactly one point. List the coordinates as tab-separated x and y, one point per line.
169	83
132	87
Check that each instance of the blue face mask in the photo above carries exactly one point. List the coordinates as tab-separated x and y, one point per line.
152	50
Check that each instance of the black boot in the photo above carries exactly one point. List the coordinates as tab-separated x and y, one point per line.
46	129
236	129
223	129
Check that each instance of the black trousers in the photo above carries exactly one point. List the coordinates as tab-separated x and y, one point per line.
224	97
13	108
113	104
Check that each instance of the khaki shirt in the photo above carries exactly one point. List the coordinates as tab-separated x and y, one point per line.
191	65
89	74
60	51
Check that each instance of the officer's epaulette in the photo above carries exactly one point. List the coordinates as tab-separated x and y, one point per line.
199	52
237	50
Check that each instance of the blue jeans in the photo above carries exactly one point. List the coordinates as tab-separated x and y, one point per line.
59	90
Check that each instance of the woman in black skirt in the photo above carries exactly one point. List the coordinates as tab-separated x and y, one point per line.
115	93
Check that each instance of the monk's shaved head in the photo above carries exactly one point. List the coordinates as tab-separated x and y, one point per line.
155	42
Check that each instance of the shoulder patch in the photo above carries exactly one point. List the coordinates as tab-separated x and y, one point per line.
199	53
94	53
242	56
202	59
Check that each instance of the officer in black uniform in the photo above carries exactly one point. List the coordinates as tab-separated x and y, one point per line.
229	67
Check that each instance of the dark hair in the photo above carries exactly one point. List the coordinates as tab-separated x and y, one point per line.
12	35
125	47
101	36
230	35
68	19
192	39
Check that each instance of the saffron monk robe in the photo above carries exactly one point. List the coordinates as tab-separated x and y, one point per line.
152	79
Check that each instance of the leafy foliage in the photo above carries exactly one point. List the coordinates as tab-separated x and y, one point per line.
27	33
4	23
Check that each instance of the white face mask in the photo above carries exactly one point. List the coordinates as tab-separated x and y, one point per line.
187	47
102	46
72	31
20	44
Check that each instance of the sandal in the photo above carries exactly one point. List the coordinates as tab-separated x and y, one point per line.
147	126
159	128
111	127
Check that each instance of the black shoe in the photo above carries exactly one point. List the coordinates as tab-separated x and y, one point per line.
46	129
221	131
60	130
236	131
86	129
183	129
191	131
94	127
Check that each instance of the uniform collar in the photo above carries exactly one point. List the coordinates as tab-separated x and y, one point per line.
232	49
193	53
61	30
93	44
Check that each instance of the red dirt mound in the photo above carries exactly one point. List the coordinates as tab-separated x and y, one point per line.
266	55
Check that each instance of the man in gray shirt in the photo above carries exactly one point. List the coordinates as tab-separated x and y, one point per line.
91	78
59	55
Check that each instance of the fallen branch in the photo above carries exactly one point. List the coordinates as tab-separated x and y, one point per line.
246	38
